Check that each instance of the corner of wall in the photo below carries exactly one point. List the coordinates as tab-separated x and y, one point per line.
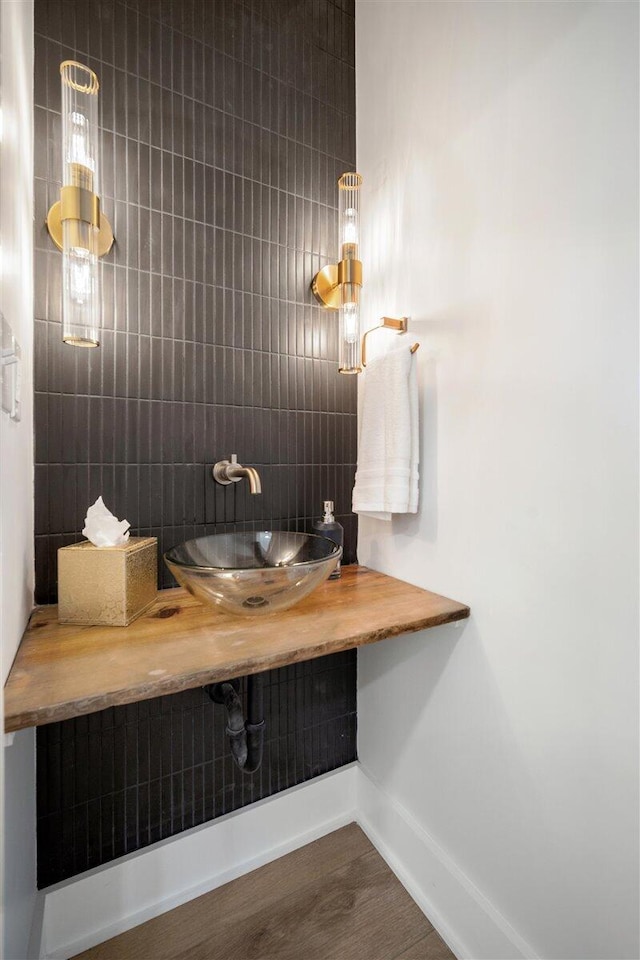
16	304
17	761
461	914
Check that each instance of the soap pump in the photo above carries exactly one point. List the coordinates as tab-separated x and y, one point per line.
330	528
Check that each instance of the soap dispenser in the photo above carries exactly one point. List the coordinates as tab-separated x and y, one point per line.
329	527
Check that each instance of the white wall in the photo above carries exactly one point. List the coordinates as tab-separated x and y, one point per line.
16	460
499	147
16	303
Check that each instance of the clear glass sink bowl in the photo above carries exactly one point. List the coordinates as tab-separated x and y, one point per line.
253	574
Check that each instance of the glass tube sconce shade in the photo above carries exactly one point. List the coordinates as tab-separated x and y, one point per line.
349	272
337	286
80	268
76	223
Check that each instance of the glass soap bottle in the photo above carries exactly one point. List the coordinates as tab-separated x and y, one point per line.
330	528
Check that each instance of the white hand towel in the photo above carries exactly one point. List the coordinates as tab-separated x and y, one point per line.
387	474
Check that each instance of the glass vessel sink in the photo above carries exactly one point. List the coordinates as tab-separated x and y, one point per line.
253	574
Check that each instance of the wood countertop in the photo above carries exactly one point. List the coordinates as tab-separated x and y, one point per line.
63	670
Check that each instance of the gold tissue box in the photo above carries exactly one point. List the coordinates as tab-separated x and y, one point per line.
107	585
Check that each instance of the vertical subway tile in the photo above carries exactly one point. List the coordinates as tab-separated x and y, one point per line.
223	133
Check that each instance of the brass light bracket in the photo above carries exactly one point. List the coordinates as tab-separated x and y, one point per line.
326	283
325	287
78	203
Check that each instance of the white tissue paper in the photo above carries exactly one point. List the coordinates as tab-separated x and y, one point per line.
102	528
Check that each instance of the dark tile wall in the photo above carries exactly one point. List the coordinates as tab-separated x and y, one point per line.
225	126
117	780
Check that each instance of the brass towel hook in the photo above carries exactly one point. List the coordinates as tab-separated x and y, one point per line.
399	324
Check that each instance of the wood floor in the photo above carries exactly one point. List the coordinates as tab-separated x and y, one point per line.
335	899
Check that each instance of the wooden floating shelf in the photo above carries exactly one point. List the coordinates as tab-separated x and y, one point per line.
63	671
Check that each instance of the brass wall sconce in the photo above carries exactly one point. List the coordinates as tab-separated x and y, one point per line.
337	286
76	223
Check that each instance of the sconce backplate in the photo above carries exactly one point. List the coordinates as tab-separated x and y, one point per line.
53	224
325	287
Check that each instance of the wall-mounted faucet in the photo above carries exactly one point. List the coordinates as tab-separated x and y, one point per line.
230	471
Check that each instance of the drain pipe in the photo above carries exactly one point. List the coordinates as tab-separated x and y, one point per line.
245	738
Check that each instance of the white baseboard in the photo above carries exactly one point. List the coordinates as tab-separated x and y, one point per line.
462	915
82	912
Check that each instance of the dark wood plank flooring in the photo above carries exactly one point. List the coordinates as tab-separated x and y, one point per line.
335	899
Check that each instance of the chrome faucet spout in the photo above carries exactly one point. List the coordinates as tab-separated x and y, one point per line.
230	471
